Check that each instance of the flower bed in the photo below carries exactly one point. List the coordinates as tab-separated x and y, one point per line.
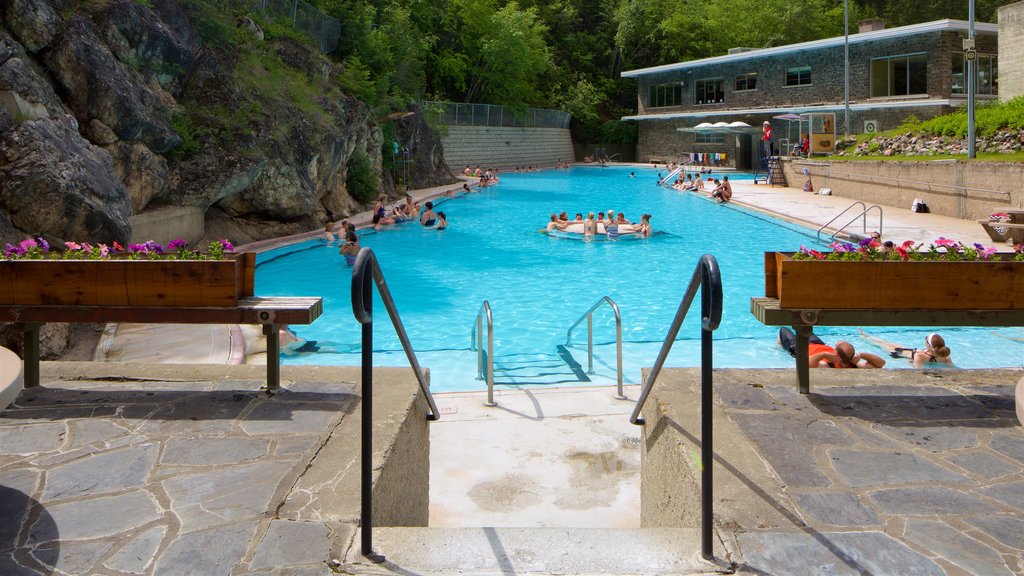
141	275
945	275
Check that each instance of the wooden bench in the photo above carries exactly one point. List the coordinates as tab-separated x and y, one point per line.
768	312
271	313
1009	231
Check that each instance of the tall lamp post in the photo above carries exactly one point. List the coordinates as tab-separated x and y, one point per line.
969	56
846	67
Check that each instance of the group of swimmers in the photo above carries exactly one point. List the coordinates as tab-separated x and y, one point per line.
487	177
935	354
409	211
611	224
350	248
721	190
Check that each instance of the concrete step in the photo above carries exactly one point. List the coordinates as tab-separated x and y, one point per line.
525	551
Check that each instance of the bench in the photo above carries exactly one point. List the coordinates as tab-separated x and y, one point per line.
1003	231
271	313
768	312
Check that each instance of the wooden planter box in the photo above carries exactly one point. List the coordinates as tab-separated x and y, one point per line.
996	284
123	282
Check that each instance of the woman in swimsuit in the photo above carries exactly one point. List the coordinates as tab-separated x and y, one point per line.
350	248
935	354
429	218
442	221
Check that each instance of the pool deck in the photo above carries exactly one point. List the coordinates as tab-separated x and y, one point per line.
875	472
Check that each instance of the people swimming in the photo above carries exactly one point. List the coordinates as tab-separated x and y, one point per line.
442	221
350	248
429	218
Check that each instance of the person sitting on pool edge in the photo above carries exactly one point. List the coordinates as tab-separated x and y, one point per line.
821	355
723	191
935	354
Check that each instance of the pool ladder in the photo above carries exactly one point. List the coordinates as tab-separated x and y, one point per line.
863	215
485	366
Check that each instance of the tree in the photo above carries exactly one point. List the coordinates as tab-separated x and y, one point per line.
513	57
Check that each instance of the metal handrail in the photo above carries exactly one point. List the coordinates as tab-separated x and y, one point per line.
710	284
365	271
476	343
589	315
864	221
862	214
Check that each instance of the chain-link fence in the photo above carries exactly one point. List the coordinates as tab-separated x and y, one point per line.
458	114
323	29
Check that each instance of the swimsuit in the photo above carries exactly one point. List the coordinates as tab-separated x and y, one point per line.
350	259
430	222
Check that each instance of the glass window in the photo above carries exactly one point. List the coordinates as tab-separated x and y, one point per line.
988	74
746	81
798	76
899	75
710	91
660	95
710	137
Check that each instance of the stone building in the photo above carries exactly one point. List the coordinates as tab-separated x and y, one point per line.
1011	50
894	73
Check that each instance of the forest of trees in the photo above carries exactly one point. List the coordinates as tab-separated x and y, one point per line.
568	54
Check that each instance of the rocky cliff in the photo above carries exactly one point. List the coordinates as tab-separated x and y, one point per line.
112	108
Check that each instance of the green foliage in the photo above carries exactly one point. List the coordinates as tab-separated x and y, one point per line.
191	136
989	118
278	28
355	79
618	132
362	181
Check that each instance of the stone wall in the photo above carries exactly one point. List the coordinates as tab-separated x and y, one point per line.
968	190
185	222
1011	51
505	148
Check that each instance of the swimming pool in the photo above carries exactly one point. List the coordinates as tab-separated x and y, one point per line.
538	285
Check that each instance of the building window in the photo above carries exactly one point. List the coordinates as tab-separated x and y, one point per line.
799	76
710	91
710	137
899	75
746	81
660	95
988	75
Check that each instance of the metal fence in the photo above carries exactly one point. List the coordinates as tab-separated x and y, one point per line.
323	29
458	114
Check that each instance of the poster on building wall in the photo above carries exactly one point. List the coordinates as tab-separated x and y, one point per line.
823	132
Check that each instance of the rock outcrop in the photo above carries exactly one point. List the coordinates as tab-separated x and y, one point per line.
152	115
915	144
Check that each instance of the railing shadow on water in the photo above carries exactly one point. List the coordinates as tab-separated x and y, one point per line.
708	279
365	274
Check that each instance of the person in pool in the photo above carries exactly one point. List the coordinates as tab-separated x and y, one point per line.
644	228
429	218
589	226
935	354
556	224
442	221
350	248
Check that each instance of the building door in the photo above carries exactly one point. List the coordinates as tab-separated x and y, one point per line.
744	152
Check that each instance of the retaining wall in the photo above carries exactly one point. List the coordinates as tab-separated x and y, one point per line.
1011	51
168	224
950	187
504	148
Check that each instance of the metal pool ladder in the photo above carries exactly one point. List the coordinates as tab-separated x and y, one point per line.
589	315
862	215
477	343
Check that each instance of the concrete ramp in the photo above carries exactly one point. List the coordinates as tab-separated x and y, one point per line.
523	551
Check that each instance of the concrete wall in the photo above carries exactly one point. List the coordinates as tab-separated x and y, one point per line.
1011	51
504	148
168	224
959	189
401	490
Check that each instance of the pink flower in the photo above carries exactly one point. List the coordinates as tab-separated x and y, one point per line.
943	241
28	243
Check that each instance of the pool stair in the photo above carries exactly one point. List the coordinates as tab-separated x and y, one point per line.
542	369
526	551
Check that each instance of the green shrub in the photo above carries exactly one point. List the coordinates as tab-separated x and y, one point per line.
362	181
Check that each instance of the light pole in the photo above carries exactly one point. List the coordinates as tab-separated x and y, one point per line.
846	67
969	56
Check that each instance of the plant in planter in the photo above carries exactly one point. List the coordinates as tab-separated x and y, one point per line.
146	274
946	274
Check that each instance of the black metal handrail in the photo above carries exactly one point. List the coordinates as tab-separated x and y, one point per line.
706	277
365	271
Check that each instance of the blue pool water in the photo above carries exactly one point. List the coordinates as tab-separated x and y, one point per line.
538	285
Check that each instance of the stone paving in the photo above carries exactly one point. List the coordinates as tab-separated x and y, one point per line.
165	475
887	478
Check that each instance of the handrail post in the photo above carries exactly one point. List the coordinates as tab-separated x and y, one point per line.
479	347
590	343
618	358
490	361
707	278
366	446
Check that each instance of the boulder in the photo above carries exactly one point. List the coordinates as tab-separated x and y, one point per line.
160	40
21	78
33	22
99	86
143	173
52	181
279	190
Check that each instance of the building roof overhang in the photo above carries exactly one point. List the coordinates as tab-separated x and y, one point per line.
899	32
797	109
